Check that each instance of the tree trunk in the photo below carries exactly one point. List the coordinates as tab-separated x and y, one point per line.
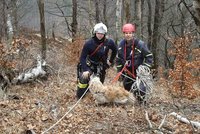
14	15
90	13
142	19
196	6
105	12
4	16
10	29
97	17
127	4
159	10
74	19
42	28
53	31
149	22
137	16
118	19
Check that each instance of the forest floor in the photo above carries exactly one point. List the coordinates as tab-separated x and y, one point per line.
35	107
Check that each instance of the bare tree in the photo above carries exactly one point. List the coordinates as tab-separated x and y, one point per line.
142	19
74	19
3	26
196	6
105	12
118	18
127	9
159	10
97	18
90	12
15	16
137	16
149	22
42	28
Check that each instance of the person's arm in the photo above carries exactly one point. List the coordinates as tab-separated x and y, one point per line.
119	58
113	47
148	56
84	54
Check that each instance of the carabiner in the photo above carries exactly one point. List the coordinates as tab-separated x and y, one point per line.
128	63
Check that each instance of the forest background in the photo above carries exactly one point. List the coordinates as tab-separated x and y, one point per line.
55	30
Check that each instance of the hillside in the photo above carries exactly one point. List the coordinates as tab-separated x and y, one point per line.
34	107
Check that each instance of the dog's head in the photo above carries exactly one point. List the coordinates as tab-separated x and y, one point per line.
95	83
94	79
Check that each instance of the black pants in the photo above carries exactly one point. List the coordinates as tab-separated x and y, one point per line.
83	83
140	94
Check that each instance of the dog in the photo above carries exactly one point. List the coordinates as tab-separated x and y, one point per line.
109	94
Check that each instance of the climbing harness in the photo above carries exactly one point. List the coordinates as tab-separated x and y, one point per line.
124	69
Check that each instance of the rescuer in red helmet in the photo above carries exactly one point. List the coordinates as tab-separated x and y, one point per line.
132	54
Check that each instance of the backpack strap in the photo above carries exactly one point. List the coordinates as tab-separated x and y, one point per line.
96	49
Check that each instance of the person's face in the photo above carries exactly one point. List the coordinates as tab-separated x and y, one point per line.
99	36
128	36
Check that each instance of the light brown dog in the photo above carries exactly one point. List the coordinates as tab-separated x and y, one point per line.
109	94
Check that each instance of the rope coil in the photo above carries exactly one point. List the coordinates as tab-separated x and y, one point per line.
144	78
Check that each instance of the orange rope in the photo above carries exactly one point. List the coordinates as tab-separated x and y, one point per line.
119	74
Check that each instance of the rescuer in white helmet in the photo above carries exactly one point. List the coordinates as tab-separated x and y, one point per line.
94	58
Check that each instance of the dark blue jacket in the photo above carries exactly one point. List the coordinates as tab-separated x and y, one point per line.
142	55
99	56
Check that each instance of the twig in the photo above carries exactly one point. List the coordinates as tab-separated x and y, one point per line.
162	122
147	118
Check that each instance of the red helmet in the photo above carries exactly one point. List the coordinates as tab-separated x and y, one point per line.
128	28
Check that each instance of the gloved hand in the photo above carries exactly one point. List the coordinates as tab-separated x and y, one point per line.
107	64
86	74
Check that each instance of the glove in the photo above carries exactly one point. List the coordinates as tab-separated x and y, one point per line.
85	74
107	65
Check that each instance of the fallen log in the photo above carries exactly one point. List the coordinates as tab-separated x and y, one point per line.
32	73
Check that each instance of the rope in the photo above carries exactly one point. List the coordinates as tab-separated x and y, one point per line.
144	77
65	113
128	77
124	69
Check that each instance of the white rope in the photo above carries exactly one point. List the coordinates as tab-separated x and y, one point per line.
144	77
65	113
128	77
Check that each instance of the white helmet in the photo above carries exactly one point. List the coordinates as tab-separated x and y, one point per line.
100	28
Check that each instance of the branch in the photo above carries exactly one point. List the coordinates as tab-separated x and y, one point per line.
162	122
197	21
147	118
185	120
65	18
58	14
